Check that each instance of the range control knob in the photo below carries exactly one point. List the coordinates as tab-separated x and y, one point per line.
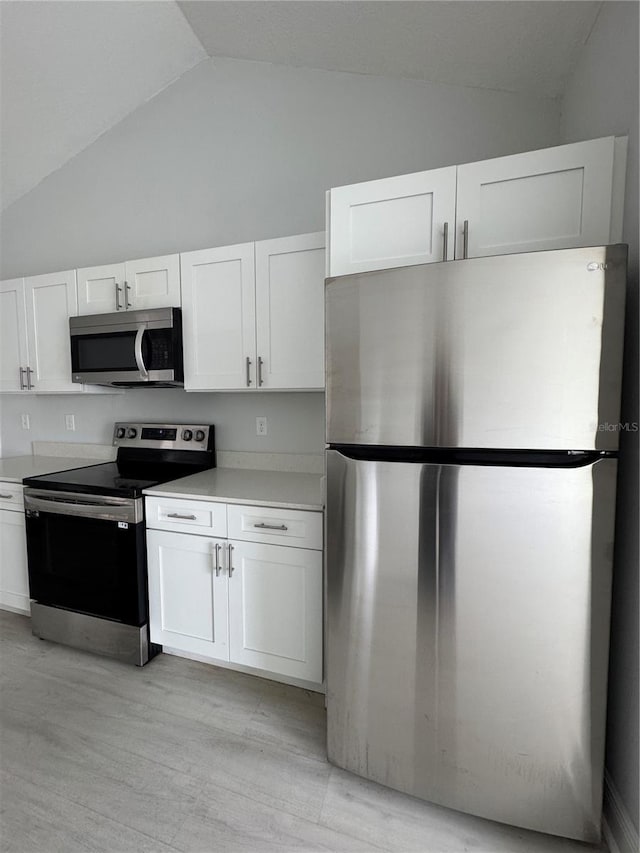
200	435
120	432
132	432
187	435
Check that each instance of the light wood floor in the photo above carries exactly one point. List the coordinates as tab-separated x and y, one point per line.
181	756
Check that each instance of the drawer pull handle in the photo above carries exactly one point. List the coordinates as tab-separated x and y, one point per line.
6	497
264	526
177	515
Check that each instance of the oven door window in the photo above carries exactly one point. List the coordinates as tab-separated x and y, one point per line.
88	565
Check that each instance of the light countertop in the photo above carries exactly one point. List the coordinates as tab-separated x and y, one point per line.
241	486
15	468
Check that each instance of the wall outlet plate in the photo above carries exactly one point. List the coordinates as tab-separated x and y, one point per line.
25	420
261	426
70	421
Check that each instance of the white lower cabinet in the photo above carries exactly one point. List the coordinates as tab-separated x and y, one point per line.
275	609
14	578
234	600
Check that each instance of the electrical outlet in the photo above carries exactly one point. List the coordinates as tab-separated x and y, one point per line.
26	421
261	426
70	421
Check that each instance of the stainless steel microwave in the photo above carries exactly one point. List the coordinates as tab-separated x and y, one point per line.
136	349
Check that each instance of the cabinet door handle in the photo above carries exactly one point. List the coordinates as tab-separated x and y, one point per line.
260	363
248	371
465	239
264	526
177	515
215	556
30	384
230	559
127	288
118	292
445	241
6	497
22	384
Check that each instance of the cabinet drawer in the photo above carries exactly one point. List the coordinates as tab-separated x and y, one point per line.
11	496
297	528
203	517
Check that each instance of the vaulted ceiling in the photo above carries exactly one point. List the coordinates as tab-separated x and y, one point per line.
71	70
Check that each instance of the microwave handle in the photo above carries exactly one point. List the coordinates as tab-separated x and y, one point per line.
137	348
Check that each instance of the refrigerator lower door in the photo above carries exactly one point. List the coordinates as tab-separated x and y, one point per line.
467	635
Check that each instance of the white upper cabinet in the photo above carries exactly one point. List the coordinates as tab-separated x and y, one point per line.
555	198
34	351
290	312
153	282
253	315
144	283
101	289
50	300
392	222
562	197
13	335
218	318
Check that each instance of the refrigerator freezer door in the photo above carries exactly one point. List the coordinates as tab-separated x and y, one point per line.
513	351
467	635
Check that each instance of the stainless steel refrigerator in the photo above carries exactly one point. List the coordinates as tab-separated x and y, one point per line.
472	430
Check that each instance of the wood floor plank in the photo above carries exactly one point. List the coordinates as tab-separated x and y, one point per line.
35	819
143	795
228	822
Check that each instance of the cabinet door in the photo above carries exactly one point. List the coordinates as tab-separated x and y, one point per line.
13	334
393	222
14	580
290	311
152	282
187	599
218	318
101	289
50	300
555	198
275	609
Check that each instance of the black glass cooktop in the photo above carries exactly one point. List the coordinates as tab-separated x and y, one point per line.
111	478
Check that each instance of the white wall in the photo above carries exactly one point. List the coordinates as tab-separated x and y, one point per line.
602	99
295	421
237	151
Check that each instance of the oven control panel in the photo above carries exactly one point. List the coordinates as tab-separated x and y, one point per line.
164	436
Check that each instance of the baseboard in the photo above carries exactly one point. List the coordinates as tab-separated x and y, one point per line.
619	832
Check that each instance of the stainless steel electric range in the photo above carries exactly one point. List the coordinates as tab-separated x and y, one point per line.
86	539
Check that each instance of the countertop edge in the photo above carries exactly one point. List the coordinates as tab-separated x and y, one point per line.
41	465
189	496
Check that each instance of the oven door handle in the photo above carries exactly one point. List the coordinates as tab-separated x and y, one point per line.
137	350
129	510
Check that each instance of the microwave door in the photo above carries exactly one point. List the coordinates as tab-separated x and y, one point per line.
105	357
142	348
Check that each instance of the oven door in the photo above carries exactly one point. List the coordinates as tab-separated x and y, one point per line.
87	554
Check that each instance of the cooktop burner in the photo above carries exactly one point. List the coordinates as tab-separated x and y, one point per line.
148	454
